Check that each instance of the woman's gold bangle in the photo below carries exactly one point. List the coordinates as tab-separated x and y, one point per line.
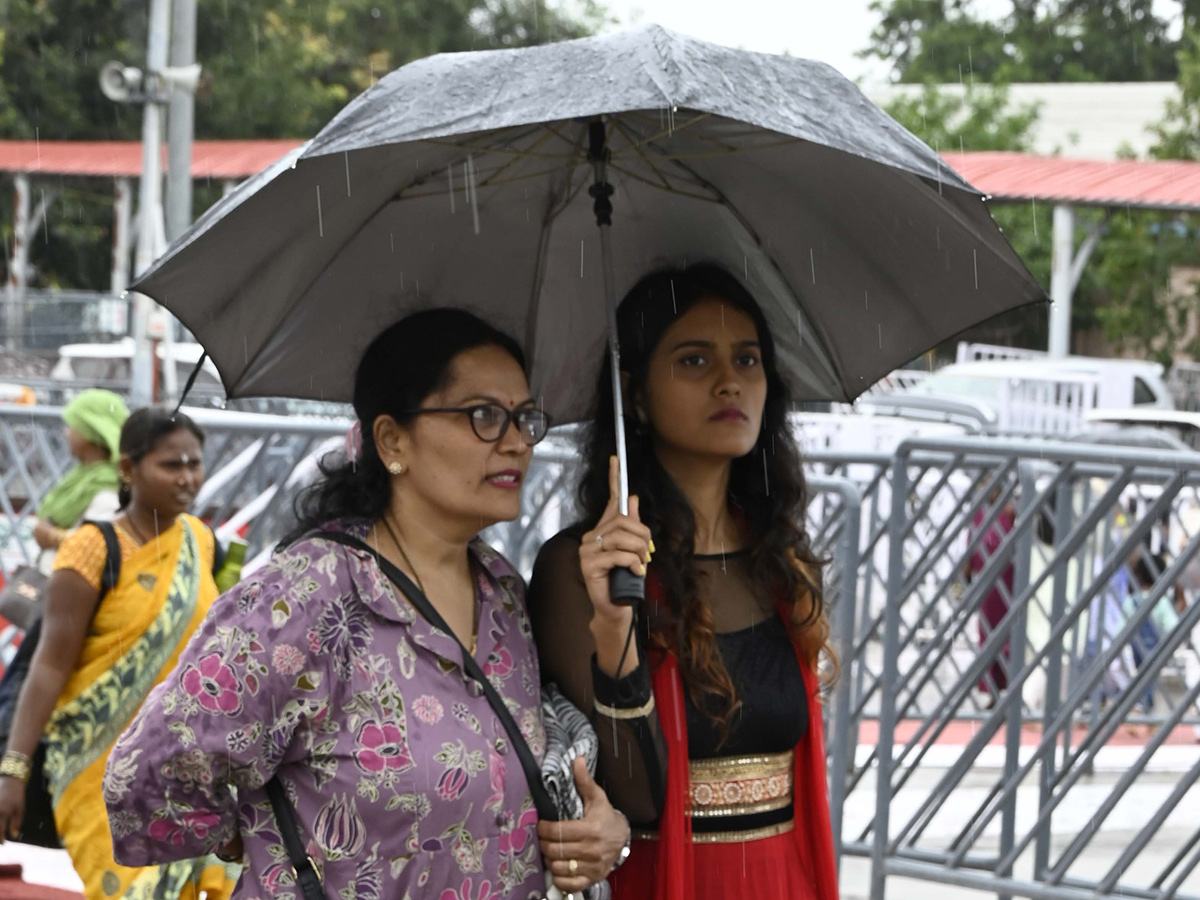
16	765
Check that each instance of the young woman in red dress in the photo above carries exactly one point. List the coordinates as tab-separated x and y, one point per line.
709	717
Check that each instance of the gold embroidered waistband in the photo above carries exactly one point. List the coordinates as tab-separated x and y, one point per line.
741	785
726	837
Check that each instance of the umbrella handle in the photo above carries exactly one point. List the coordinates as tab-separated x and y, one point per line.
626	588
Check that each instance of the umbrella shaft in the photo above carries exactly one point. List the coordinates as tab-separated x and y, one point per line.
614	354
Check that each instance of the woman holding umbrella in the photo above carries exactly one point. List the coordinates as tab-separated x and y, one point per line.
322	691
710	719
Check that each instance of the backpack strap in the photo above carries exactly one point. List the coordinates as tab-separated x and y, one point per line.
111	573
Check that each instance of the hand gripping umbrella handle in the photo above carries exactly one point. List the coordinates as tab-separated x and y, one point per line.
625	588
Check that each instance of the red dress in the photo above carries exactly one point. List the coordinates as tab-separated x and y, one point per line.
798	864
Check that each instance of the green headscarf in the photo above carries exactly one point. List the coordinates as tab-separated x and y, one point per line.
98	416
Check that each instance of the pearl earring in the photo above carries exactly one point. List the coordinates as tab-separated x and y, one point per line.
396	468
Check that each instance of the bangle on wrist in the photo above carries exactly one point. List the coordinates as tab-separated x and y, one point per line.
624	854
16	765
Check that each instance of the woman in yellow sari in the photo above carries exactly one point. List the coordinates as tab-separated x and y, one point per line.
99	656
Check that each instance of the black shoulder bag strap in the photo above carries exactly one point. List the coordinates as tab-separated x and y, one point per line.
307	878
533	773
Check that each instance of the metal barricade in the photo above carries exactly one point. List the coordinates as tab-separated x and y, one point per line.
993	656
1015	557
256	464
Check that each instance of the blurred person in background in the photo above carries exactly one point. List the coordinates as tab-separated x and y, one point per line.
100	654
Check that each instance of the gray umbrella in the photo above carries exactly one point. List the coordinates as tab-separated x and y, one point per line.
463	179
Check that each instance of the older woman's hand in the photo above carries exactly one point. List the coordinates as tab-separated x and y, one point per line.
580	852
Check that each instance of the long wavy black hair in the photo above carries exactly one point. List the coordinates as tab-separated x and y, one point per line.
404	365
767	491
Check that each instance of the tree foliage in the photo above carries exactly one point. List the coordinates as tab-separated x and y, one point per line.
1037	40
274	69
1124	289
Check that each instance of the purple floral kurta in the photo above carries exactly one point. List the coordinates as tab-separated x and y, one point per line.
401	774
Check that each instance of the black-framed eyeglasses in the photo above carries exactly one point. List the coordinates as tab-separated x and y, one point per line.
490	421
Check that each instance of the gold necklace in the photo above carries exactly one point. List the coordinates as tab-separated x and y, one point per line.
399	546
134	530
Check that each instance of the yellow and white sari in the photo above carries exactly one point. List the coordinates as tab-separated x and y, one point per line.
163	592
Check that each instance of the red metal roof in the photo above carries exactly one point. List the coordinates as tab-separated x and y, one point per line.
117	159
1171	184
1006	176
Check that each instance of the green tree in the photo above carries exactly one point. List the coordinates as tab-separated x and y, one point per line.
982	118
1037	40
1123	290
275	69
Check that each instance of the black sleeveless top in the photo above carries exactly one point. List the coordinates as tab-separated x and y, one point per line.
766	677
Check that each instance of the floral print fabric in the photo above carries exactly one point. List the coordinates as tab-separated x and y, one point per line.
401	774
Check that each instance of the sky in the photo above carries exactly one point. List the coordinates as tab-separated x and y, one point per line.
829	30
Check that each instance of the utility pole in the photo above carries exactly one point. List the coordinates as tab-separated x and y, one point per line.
150	220
181	111
181	114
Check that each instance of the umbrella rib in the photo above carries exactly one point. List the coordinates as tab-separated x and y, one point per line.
543	245
672	129
483	148
516	180
512	162
784	142
620	126
663	187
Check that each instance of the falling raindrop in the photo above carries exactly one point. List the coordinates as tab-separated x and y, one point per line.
674	305
766	476
812	261
866	300
880	335
473	191
975	259
392	237
346	154
581	258
320	220
1033	212
450	180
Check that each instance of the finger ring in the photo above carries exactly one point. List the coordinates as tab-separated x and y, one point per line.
572	867
600	541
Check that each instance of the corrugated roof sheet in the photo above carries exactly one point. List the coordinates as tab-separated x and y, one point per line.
1169	184
1005	176
117	159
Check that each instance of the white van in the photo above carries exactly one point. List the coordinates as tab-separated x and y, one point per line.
1049	395
111	365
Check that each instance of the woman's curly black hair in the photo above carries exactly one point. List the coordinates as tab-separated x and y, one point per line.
766	490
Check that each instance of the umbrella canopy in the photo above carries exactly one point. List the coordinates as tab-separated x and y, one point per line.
462	180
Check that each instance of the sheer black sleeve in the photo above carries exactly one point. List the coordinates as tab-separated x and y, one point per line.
632	767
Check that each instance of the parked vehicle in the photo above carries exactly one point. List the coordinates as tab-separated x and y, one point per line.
17	394
105	365
1042	395
1181	427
